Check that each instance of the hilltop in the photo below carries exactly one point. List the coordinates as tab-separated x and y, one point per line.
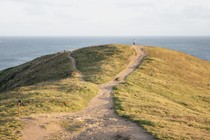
102	63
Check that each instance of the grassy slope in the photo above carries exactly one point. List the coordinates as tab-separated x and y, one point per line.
53	88
49	83
169	95
45	68
100	64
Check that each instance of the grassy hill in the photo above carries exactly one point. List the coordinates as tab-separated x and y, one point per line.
169	95
99	64
50	83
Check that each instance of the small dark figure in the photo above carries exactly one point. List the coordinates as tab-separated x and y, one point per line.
134	42
19	102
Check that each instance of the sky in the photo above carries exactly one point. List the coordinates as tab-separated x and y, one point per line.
104	17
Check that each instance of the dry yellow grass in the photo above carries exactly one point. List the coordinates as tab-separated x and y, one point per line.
169	95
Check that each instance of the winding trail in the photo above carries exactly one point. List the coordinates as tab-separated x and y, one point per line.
99	121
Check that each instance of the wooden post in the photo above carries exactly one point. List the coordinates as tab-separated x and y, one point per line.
19	102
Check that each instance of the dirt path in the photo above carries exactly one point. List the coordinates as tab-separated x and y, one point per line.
97	122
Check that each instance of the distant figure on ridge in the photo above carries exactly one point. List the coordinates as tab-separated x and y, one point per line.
134	42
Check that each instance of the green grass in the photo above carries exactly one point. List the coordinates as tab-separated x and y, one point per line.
45	85
169	95
99	64
45	68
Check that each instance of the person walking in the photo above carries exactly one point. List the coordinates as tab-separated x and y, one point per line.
134	42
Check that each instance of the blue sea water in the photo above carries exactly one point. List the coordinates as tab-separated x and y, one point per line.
18	50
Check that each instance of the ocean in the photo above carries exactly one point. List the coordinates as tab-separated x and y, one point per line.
18	50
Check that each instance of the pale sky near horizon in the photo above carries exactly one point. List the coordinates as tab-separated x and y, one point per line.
105	17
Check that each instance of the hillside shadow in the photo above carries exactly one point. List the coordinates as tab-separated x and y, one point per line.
46	68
